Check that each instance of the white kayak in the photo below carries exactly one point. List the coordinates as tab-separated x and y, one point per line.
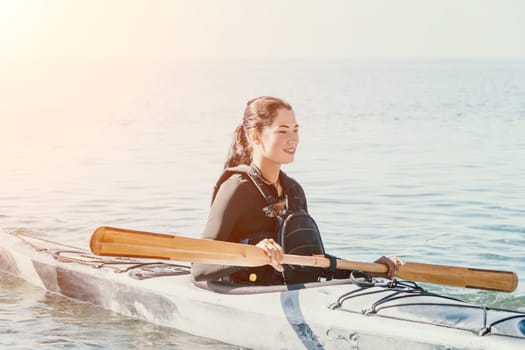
339	314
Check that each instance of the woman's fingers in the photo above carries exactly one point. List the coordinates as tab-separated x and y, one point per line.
274	251
397	262
393	265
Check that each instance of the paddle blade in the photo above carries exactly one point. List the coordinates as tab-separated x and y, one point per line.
112	241
504	281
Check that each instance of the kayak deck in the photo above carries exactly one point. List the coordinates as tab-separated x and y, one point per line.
334	314
407	301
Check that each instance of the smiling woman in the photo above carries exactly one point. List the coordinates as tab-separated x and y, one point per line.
266	139
254	202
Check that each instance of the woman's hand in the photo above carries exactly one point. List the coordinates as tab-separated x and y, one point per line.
392	264
274	251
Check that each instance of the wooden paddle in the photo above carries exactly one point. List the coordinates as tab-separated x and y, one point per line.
121	242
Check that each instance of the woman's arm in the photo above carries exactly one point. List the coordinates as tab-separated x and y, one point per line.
225	212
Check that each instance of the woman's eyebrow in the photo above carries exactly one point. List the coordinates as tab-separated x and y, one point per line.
287	126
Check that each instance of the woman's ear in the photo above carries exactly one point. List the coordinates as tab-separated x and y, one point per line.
255	136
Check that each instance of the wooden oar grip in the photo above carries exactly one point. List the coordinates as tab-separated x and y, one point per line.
320	261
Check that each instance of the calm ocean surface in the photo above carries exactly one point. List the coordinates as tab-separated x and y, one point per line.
424	160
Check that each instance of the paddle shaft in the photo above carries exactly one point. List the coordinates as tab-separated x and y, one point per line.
122	242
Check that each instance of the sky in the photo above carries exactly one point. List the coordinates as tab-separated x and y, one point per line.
269	29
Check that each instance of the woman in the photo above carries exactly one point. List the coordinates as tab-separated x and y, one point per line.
266	139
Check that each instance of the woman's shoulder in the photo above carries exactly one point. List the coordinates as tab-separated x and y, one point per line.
290	183
236	180
296	196
233	184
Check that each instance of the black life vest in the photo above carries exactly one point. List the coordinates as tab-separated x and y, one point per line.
296	232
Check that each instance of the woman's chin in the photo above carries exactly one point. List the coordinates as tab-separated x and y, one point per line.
288	160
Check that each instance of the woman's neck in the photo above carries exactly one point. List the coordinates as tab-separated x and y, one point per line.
269	170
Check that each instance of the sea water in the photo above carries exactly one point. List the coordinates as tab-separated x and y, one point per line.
424	160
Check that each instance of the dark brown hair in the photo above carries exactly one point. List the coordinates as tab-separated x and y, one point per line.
259	112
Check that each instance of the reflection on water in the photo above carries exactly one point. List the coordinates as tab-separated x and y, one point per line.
54	321
421	160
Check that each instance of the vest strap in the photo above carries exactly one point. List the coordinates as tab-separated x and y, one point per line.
257	182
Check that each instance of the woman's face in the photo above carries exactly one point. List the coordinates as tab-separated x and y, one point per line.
277	142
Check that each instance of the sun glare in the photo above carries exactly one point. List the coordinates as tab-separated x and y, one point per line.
20	27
